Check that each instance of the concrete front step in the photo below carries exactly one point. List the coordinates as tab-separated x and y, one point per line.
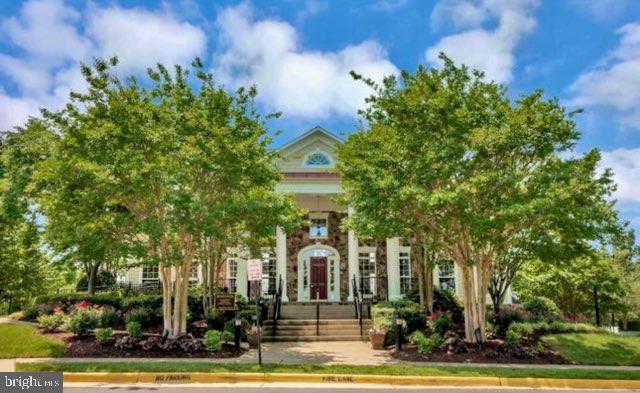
313	338
305	330
302	322
308	311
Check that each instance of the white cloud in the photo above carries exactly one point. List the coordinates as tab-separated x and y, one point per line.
625	164
15	111
53	40
45	29
143	38
489	50
614	83
299	82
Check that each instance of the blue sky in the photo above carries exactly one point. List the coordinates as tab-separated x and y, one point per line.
298	53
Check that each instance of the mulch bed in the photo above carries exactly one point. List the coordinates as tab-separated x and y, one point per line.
87	347
488	353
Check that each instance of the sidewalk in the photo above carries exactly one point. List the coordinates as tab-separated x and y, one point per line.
337	352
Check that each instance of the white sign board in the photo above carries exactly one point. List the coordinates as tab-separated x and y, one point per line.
254	269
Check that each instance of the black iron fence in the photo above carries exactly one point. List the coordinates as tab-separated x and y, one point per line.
377	287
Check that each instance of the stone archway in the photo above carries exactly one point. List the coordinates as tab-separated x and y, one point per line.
304	271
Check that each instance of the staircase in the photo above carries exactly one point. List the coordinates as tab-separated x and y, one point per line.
298	323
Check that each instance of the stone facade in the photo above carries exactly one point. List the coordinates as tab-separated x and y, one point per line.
299	239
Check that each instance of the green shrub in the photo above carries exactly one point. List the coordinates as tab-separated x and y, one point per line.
411	313
227	336
212	340
417	337
445	300
523	328
30	313
82	320
104	279
45	309
507	315
111	318
513	336
541	308
67	300
214	319
139	315
51	323
103	335
441	324
429	344
134	329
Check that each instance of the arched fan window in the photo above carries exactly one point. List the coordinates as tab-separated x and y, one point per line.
318	159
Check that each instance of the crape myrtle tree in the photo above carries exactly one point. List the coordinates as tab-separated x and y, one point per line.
385	202
183	165
477	172
24	263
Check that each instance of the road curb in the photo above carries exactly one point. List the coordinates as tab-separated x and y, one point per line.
178	378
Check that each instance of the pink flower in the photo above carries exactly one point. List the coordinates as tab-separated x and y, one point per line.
82	304
57	309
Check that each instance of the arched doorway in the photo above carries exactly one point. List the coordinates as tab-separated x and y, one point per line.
318	273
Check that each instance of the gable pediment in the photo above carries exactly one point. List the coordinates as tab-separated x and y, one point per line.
313	151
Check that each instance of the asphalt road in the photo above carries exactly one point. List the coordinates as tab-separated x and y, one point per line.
296	388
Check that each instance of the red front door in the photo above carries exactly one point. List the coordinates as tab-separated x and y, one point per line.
318	278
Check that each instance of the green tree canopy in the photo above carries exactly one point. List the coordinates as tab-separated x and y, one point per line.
170	167
451	156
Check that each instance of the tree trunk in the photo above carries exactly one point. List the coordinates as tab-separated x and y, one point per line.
429	287
425	274
167	297
475	282
91	277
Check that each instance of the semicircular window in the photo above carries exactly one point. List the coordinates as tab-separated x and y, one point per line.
318	159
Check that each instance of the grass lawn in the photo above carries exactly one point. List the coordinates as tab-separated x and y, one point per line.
470	371
21	340
598	348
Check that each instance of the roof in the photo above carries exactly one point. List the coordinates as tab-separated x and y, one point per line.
316	129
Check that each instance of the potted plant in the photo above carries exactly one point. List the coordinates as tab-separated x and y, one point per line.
252	336
377	335
381	324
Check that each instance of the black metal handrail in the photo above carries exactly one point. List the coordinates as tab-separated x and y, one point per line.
277	301
374	287
357	299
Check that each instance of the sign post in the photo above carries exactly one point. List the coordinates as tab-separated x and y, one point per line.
254	273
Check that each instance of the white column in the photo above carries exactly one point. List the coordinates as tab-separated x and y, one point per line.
393	268
241	276
281	261
352	258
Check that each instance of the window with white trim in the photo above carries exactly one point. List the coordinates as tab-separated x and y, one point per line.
268	272
446	272
193	273
318	225
232	272
405	270
367	265
150	273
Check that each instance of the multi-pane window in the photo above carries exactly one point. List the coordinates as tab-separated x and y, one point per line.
447	275
405	270
268	272
318	226
232	272
367	265
150	273
318	159
193	273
